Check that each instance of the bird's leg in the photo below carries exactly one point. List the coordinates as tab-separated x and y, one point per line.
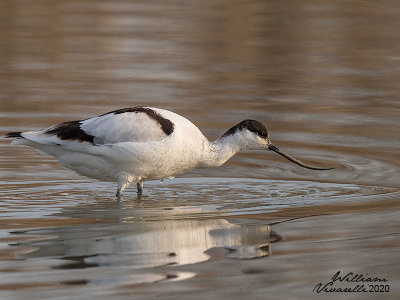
118	194
139	186
123	181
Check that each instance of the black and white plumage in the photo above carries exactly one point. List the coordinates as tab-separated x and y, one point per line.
142	143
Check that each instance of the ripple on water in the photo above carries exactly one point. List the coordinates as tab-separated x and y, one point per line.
166	227
183	197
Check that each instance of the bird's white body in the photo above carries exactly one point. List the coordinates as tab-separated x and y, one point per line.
131	147
142	143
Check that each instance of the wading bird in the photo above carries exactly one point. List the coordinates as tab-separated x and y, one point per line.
143	143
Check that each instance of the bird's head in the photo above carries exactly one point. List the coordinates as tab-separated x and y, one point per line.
254	136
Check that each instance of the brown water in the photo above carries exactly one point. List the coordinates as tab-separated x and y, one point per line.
324	77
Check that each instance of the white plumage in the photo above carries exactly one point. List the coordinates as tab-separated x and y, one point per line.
141	143
123	127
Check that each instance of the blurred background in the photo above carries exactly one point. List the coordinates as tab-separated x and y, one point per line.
322	75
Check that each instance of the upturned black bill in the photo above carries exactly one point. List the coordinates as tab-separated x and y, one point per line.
294	160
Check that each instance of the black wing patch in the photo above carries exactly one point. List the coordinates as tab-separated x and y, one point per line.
13	134
70	131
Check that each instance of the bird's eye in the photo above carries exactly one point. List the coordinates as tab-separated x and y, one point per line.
262	135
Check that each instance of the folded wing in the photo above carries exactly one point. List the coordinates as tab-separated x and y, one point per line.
137	124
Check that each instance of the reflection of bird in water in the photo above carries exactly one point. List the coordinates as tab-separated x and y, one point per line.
142	143
155	243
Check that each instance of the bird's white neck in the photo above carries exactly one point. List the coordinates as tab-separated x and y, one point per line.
222	149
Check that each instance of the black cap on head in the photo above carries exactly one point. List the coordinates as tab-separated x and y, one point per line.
251	125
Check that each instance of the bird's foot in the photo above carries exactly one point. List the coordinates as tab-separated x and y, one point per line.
118	194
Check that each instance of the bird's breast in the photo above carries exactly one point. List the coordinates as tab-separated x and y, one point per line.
171	157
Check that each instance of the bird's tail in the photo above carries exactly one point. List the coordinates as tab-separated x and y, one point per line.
13	135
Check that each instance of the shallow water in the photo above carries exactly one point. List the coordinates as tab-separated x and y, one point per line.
322	76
